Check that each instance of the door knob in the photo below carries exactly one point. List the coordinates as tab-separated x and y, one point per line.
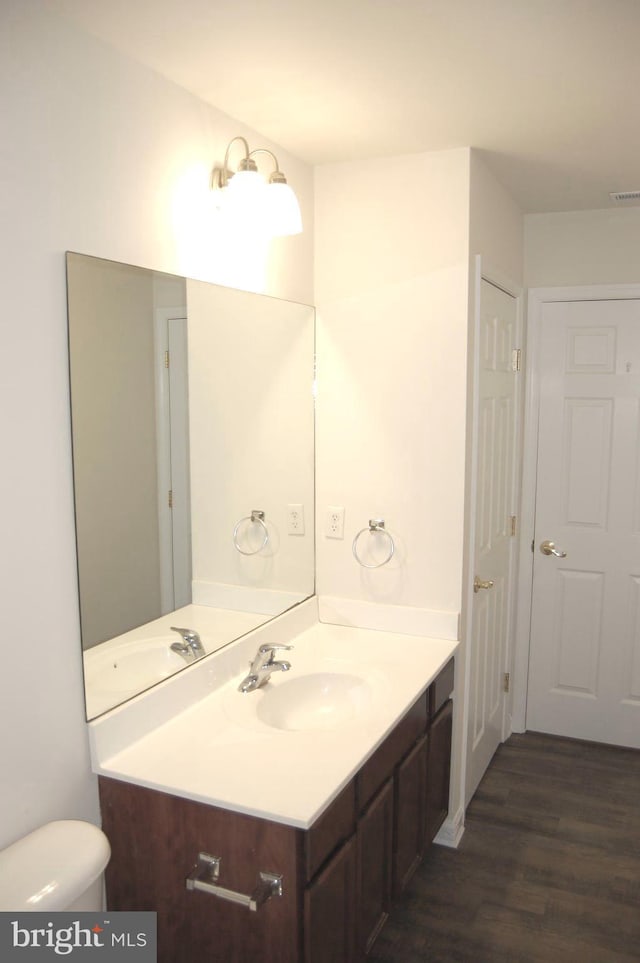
479	583
549	548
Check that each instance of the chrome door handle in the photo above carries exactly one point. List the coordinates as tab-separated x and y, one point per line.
549	548
479	583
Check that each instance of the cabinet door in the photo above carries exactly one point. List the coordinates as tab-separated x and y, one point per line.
375	856
330	910
155	840
438	771
409	817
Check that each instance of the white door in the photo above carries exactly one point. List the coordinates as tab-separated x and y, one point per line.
584	664
491	617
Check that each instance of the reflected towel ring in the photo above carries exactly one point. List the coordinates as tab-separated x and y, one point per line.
375	525
257	517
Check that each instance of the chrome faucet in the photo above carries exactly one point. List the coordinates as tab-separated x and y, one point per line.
262	666
191	648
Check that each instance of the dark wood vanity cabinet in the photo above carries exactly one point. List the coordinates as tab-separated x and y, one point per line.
339	877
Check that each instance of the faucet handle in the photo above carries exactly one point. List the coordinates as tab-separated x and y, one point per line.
266	648
270	650
189	635
191	642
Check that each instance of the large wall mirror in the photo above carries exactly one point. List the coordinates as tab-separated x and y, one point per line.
192	425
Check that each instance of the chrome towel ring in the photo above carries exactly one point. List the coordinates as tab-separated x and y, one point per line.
376	525
256	517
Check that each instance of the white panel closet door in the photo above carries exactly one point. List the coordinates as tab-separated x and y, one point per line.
584	666
495	500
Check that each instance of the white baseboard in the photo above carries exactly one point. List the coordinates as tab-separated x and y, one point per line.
404	619
451	831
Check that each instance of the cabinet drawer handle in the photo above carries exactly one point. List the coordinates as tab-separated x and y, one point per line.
207	872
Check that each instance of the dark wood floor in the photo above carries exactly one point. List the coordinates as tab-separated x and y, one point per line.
548	868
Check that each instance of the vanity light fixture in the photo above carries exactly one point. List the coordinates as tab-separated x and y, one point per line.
248	198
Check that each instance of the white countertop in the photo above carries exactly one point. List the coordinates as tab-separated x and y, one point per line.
216	752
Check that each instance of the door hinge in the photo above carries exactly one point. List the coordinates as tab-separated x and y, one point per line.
170	499
516	359
506	682
513	522
166	359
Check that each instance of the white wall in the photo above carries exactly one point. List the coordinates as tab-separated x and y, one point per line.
251	411
392	278
102	156
392	240
495	224
582	247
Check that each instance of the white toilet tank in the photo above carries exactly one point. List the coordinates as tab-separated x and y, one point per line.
56	867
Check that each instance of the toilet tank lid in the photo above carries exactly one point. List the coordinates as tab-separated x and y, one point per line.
52	866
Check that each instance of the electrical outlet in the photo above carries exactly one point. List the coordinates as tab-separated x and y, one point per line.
295	519
334	522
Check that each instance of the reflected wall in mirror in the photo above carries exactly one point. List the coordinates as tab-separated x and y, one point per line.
192	424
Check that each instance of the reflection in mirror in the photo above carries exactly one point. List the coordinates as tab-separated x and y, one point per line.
192	423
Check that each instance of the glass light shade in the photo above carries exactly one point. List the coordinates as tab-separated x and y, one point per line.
244	202
283	211
245	183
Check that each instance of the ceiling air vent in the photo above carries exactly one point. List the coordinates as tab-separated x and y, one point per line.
624	197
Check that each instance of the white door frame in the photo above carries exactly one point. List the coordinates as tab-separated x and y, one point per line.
162	316
480	270
537	298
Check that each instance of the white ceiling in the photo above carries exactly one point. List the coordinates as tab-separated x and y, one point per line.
545	88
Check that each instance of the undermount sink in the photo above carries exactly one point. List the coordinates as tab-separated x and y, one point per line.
327	699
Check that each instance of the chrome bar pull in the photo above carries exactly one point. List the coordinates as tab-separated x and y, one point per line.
205	878
549	548
479	583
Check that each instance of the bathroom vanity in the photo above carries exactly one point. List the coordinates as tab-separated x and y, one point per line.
278	822
337	815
